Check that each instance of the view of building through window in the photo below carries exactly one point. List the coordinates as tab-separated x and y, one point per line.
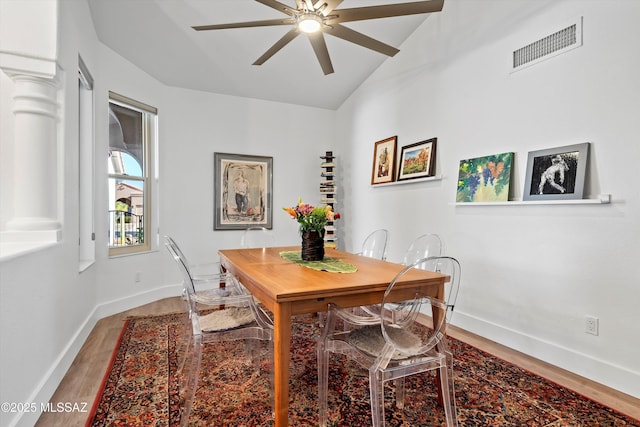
130	141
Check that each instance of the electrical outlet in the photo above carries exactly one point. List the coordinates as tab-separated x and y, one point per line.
591	325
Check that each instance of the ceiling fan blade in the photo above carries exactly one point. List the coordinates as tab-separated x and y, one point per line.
264	23
322	53
352	36
279	6
329	5
384	11
292	34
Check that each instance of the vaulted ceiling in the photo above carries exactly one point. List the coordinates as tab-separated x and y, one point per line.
156	35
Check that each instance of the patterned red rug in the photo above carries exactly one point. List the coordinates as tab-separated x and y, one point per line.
141	387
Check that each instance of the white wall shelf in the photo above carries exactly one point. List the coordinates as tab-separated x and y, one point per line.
410	181
602	199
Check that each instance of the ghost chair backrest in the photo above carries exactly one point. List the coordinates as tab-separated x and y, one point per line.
257	237
424	246
375	244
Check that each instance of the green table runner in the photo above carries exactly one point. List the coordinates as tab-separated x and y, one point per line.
332	265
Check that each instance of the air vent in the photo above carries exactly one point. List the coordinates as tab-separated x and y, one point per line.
554	44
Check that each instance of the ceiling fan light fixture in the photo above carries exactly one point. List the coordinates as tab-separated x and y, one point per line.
317	17
309	23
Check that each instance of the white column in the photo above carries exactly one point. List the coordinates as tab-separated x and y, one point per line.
28	55
36	154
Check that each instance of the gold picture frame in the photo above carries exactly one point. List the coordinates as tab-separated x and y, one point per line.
383	169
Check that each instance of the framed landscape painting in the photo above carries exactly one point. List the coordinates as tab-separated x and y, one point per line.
384	161
556	173
418	160
243	187
485	179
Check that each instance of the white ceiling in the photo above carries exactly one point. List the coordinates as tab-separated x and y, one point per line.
156	35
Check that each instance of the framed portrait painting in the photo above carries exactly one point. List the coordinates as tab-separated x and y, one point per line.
557	173
418	160
384	161
243	188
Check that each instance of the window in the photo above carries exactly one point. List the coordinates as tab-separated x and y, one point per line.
86	234
132	141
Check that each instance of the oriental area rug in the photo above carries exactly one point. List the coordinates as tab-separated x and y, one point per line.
141	387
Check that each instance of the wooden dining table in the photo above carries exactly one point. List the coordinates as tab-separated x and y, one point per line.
287	288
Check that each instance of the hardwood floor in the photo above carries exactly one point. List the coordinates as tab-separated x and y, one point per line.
83	380
607	396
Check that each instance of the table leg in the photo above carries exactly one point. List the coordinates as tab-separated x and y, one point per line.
281	355
439	315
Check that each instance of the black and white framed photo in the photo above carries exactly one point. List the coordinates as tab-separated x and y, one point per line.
556	173
243	187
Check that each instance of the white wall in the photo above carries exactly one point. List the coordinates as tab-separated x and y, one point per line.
47	308
198	124
530	273
449	81
45	303
194	125
6	150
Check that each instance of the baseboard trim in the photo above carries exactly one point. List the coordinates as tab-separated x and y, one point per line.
49	383
132	301
600	371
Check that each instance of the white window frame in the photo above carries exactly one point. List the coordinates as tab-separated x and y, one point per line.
86	168
149	175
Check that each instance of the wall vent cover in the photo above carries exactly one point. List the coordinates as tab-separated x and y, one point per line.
554	44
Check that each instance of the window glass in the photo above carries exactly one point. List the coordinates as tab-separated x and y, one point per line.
130	142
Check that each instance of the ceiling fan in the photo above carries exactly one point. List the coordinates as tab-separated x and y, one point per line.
315	17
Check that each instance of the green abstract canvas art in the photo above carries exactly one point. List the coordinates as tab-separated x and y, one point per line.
485	179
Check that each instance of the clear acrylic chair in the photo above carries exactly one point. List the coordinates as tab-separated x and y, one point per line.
257	237
403	340
375	244
427	245
222	314
424	246
205	272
